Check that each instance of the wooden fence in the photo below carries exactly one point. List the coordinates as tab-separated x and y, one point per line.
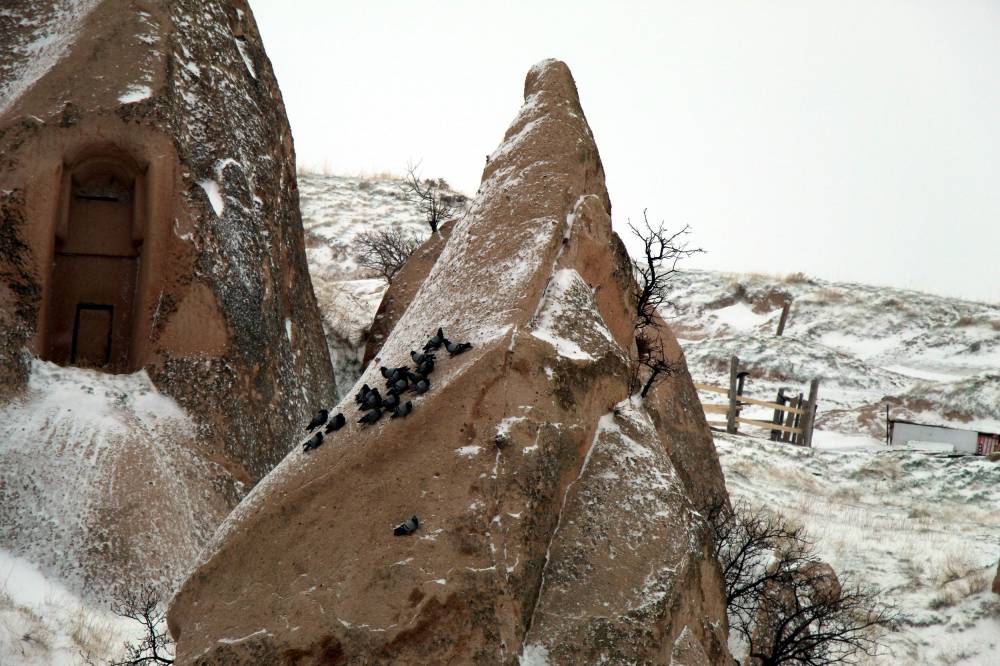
793	418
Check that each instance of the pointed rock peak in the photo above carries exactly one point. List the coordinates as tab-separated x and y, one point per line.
551	77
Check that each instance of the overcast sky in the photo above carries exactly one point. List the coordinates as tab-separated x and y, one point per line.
855	141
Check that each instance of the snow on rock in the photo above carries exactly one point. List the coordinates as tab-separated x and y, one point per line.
214	194
135	93
46	33
79	446
569	320
621	518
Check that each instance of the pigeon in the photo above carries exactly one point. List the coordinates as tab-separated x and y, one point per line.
386	372
336	423
420	358
398	386
371	417
426	368
360	397
407	527
313	442
435	343
390	401
456	348
318	420
373	400
413	377
403	410
422	386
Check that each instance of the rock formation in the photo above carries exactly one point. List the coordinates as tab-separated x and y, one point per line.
557	514
150	225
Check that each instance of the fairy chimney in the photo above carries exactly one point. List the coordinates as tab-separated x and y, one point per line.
557	514
149	224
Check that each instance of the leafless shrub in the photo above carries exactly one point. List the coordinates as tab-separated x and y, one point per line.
786	605
661	253
144	605
385	251
431	196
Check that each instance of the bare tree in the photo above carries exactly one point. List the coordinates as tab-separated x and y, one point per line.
385	251
436	204
786	604
661	252
144	605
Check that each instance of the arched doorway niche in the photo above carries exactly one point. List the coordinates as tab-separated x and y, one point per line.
97	256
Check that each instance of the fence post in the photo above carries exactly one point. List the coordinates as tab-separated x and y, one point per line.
810	421
740	376
784	318
734	366
790	419
778	414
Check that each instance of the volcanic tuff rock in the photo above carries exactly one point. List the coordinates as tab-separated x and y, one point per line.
557	515
150	226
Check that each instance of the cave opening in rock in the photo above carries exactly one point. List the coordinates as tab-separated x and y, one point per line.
95	268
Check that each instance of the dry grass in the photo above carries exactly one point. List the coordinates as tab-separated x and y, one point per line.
326	169
797	277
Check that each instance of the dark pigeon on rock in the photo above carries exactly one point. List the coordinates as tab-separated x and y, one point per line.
360	396
420	358
313	442
373	400
407	527
399	386
336	423
426	368
386	372
402	410
435	343
371	416
318	420
390	401
456	348
422	386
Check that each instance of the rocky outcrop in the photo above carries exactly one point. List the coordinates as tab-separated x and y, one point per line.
150	226
557	514
403	288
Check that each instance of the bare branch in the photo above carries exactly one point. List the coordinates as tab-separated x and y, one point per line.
436	205
787	605
144	605
385	251
661	252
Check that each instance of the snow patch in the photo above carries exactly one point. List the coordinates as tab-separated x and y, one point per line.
470	451
534	655
135	93
214	193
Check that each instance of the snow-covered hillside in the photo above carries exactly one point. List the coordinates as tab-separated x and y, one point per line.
922	527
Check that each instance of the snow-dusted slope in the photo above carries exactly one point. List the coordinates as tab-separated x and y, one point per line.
933	359
924	528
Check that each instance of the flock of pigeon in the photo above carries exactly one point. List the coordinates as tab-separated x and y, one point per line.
397	382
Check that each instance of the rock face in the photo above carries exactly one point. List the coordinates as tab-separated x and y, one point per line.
403	288
150	225
557	515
